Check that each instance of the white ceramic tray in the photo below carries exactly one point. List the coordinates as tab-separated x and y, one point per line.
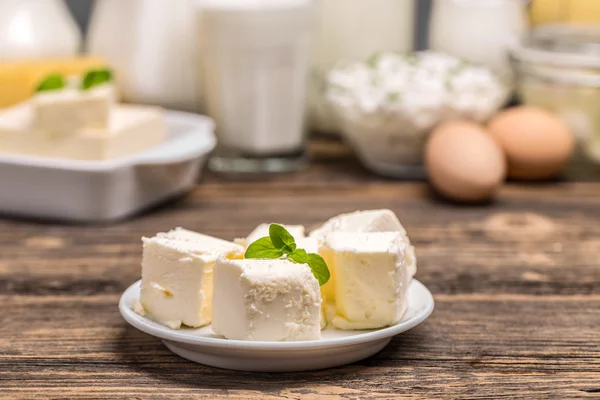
336	348
101	191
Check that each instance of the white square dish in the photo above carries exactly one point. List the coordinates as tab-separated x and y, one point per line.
103	191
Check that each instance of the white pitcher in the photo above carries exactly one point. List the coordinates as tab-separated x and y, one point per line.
152	46
480	31
33	29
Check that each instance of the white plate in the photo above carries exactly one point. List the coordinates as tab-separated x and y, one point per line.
336	348
102	191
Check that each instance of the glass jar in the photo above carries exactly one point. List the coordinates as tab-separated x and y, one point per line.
558	68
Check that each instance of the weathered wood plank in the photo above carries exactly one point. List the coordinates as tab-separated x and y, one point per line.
527	346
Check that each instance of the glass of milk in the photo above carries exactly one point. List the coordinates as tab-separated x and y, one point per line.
257	55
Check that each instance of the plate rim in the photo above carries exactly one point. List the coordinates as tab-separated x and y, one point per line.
143	324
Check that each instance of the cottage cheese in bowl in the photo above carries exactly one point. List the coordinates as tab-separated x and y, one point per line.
390	103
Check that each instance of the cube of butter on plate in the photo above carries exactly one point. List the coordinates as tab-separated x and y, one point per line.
297	231
266	300
68	111
369	279
368	221
177	276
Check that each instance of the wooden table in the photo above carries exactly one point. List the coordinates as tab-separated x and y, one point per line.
516	284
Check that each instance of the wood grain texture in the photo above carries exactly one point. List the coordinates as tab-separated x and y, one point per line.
516	283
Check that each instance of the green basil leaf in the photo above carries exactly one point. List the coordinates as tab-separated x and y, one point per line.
299	256
263	248
52	82
96	77
282	239
373	60
319	268
279	243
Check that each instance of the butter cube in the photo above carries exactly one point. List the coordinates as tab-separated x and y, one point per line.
177	276
311	245
361	221
266	300
66	112
368	221
369	279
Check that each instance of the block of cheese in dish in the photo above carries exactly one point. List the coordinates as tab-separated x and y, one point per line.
266	300
68	111
297	231
177	276
371	279
19	79
368	221
132	129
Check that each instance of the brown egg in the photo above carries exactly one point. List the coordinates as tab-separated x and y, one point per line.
537	143
463	162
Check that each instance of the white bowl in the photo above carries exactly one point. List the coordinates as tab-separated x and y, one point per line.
387	153
101	191
389	104
336	348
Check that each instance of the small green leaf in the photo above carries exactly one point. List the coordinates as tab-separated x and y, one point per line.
96	77
299	256
319	268
281	243
373	60
282	239
51	82
393	97
263	248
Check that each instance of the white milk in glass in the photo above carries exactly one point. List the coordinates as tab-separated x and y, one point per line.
256	61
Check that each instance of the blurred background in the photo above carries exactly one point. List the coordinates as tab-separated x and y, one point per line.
81	10
463	93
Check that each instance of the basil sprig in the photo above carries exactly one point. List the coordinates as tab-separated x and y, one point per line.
52	82
91	79
96	77
280	243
